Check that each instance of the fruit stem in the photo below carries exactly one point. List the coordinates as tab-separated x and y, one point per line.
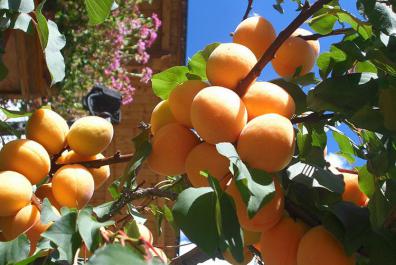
248	9
317	36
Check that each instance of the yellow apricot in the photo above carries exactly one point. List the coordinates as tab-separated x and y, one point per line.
314	43
161	116
204	157
15	192
267	143
100	175
280	243
266	217
73	186
49	129
320	247
264	97
22	221
26	157
90	135
45	191
170	147
181	98
160	254
145	233
352	192
228	64
250	237
247	257
256	33
218	114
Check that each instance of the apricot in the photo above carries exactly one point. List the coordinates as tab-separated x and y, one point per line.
264	97
73	186
161	116
267	142
145	233
100	175
279	244
181	98
26	157
314	43
295	52
90	135
49	129
45	191
160	254
204	157
218	114
15	192
320	247
247	257
170	147
22	221
256	33
228	64
250	237
266	217
352	192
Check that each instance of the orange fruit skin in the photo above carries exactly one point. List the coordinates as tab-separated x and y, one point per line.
352	192
90	135
26	157
250	237
204	157
264	97
266	217
23	220
181	98
15	192
170	147
247	257
145	233
45	191
218	114
320	247
100	175
314	43
228	64
267	143
256	33
279	244
73	186
161	116
49	129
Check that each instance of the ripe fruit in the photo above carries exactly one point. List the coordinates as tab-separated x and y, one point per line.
352	192
314	43
181	98
292	54
170	147
45	191
264	97
90	135
247	257
73	186
319	247
250	237
218	114
280	243
15	192
145	233
49	129
26	157
100	175
161	116
228	64
256	33
204	157
266	217
267	142
25	218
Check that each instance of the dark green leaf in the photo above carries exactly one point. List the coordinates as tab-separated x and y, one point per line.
15	250
164	82
98	11
311	141
345	144
103	209
366	181
380	15
323	24
382	248
24	6
379	206
197	63
47	213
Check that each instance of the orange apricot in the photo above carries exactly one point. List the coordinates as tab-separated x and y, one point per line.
256	33
170	147
218	114
266	217
45	191
228	64
319	247
352	192
181	98
314	43
264	97
145	233
49	129
204	157
90	135
267	143
161	116
247	257
73	186
26	157
279	244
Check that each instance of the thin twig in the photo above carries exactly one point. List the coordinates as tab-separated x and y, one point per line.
248	9
312	118
36	201
317	36
350	171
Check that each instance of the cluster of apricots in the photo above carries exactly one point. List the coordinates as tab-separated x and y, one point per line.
198	115
25	165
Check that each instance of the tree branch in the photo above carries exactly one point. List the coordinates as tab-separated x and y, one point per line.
312	118
306	13
248	9
317	36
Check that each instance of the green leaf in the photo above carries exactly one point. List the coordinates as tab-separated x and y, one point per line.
197	63
53	56
323	24
366	181
346	145
382	247
103	209
380	16
42	25
98	10
295	92
7	128
311	141
47	213
163	83
24	6
379	206
365	66
15	250
327	60
10	114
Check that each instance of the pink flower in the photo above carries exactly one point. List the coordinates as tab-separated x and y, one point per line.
147	73
157	22
136	23
141	46
144	32
151	40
